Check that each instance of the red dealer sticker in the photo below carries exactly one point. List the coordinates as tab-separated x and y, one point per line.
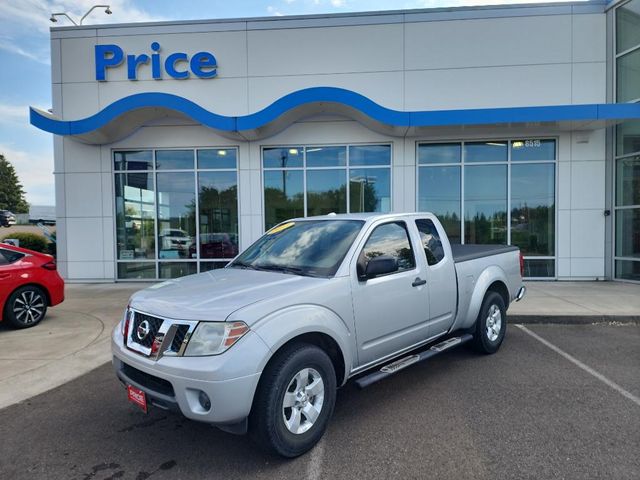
138	397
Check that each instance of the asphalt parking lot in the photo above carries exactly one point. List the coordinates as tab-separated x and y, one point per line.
526	412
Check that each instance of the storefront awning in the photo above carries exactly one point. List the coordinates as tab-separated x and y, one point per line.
126	115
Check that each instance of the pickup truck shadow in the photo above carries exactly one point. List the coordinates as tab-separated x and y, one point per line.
103	436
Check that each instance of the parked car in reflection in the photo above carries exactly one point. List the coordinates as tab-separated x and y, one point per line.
7	218
216	245
175	239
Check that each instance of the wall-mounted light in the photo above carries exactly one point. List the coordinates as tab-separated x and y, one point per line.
53	18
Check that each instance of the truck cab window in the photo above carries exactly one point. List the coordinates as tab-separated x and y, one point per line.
430	241
389	239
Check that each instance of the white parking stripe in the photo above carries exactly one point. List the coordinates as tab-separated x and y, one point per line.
584	367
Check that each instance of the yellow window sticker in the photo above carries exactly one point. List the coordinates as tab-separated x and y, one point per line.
279	228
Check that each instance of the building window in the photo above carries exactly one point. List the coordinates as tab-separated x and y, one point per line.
316	180
471	186
627	153
176	211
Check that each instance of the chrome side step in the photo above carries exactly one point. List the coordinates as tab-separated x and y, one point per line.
404	362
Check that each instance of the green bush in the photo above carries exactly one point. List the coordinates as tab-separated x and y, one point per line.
31	241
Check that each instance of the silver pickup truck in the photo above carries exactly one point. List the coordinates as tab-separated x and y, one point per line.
262	345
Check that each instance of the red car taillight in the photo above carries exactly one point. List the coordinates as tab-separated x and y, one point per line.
50	265
521	265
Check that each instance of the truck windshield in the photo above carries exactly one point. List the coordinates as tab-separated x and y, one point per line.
309	247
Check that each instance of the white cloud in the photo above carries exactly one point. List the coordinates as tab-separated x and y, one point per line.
338	3
35	171
14	113
274	11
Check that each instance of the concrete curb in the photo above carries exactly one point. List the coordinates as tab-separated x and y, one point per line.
575	319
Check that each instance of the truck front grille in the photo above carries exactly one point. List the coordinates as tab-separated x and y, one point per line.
153	325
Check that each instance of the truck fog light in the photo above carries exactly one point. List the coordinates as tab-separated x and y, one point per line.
205	403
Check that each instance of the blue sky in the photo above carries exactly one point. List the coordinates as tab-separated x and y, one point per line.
25	78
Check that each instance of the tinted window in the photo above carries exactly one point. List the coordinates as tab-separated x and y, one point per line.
7	256
430	241
390	239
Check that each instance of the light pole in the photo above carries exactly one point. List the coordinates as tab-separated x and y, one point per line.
53	18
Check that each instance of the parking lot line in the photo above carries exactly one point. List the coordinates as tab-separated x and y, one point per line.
584	367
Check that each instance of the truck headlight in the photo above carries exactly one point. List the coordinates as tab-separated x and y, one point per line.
213	338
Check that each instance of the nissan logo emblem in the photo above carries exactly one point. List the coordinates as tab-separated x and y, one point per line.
143	330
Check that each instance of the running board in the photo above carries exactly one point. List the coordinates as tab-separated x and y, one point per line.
404	362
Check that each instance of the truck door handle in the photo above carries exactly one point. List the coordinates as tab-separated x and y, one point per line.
418	281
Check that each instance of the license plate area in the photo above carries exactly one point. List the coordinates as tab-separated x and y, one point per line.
137	397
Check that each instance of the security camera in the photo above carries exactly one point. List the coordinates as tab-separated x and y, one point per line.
108	11
53	19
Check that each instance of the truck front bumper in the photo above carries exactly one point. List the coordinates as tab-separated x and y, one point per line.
229	380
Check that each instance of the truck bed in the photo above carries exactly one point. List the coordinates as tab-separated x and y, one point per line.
464	253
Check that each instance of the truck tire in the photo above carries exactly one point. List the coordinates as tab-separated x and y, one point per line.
491	324
294	401
26	307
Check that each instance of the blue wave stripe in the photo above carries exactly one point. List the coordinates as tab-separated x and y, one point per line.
334	95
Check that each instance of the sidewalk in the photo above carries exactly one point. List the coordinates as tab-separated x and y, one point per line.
74	337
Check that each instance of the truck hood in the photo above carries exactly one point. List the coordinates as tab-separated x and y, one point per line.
214	295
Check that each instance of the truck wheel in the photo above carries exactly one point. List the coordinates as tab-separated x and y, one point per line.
294	401
491	324
26	307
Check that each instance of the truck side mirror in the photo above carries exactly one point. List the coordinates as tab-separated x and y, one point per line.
381	265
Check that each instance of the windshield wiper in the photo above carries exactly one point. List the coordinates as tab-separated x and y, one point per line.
244	265
285	269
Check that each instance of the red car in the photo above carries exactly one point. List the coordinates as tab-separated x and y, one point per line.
29	283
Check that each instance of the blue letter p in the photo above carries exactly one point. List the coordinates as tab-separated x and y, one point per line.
107	56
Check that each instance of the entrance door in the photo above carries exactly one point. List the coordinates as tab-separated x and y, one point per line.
391	310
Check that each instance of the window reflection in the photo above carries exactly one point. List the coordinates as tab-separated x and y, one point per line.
326	192
283	195
369	190
282	157
485	204
439	193
493	151
174	160
135	216
176	214
218	200
389	239
326	156
533	208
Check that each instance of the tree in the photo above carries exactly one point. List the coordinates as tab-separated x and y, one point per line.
11	192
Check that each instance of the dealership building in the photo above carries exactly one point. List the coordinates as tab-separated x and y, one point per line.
178	143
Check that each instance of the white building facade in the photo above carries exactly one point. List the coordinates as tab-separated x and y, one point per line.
178	143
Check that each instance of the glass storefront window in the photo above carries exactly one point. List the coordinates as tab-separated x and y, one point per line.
485	204
283	195
217	158
439	193
174	160
628	26
369	190
364	155
532	150
176	215
628	233
177	269
156	218
494	151
282	157
317	180
439	153
476	187
628	181
533	208
628	270
218	204
137	270
628	137
628	77
326	192
135	216
133	160
326	156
